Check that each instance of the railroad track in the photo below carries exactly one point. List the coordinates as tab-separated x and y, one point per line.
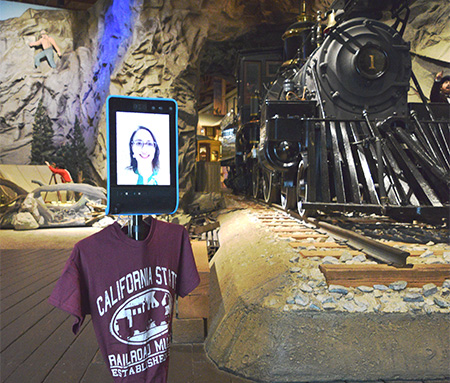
350	258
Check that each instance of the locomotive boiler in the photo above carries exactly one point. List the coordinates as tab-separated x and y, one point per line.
334	131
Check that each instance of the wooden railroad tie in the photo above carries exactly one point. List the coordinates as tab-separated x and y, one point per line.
291	229
369	275
328	245
328	253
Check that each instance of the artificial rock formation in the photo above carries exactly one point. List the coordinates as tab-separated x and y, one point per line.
273	317
148	48
136	48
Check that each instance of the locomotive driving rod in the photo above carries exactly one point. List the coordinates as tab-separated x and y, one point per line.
380	251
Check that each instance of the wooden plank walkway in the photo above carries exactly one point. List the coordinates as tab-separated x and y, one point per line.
37	343
36	340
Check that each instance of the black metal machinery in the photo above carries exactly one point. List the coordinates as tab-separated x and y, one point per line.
335	131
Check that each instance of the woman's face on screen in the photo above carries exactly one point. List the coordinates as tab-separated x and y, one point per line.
143	147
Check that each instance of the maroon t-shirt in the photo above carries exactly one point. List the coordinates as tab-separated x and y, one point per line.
128	287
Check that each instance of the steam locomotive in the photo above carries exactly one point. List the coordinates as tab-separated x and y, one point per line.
334	130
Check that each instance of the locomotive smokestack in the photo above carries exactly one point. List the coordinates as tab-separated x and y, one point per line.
297	38
305	11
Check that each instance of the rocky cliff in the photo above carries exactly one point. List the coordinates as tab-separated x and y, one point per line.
141	48
148	48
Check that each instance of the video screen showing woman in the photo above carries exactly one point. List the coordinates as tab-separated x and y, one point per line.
143	156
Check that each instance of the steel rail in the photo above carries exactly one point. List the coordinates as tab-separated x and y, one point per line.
375	249
378	250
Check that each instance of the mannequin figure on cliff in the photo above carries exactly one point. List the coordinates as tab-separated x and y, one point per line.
48	43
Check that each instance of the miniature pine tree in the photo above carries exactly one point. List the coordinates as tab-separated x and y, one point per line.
78	150
42	147
73	156
63	158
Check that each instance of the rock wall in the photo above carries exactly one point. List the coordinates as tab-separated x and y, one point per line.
148	48
138	48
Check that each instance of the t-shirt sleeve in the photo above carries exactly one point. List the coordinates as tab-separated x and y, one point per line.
188	278
68	292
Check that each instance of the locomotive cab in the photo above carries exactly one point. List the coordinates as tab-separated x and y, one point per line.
256	69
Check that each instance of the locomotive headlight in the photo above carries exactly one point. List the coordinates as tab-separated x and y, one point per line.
286	151
371	61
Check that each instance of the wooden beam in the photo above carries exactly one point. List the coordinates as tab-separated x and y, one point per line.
369	275
326	245
196	304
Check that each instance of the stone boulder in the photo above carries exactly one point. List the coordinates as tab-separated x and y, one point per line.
24	221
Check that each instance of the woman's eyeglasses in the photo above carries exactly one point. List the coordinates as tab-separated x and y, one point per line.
140	144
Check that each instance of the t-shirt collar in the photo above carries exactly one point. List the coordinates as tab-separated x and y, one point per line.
121	232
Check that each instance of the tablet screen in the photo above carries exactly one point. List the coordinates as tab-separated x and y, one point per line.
142	155
143	148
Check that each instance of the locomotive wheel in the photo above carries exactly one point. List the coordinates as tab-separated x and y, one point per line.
269	188
302	189
287	196
256	180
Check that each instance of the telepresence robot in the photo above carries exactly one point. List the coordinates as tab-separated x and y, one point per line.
142	157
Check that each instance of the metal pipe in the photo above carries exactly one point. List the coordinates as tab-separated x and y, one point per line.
136	228
422	96
319	98
380	169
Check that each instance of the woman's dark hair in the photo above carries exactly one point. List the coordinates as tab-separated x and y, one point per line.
155	162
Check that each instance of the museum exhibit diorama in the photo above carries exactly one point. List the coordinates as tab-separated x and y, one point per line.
226	157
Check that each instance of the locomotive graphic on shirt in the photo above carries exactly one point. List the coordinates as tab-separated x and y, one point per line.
142	317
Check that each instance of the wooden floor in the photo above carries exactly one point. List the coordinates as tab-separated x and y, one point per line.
36	339
37	343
